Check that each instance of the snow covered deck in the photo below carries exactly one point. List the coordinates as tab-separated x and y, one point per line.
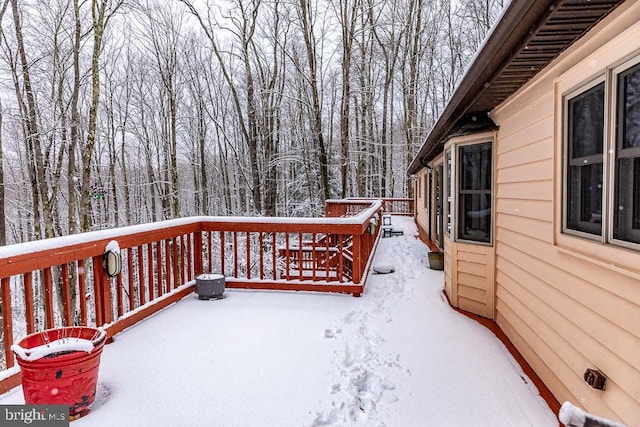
397	356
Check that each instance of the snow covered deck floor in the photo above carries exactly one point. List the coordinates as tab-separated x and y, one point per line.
397	356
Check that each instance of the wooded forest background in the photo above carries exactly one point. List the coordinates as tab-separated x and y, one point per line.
116	112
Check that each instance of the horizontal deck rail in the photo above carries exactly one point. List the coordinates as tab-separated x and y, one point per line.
62	282
347	207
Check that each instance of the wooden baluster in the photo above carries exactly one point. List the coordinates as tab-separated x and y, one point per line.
273	256
120	304
210	250
174	264
248	245
141	287
287	256
48	298
222	254
340	258
28	302
198	255
261	251
151	272
300	260
160	263
190	261
183	264
7	320
314	263
167	271
132	289
66	297
82	290
97	290
235	254
328	256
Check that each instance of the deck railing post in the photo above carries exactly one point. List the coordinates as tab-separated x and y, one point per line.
48	297
103	300
198	262
357	258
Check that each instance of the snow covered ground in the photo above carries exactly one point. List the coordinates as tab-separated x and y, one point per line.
397	356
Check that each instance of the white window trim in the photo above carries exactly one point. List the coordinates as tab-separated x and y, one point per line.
452	149
565	154
612	147
449	186
610	79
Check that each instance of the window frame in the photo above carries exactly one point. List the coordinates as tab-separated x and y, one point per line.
583	89
614	147
610	78
426	190
459	192
451	193
438	203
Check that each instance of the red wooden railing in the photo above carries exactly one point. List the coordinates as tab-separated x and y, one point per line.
398	206
392	206
61	281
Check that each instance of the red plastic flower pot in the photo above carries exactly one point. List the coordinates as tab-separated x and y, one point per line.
60	367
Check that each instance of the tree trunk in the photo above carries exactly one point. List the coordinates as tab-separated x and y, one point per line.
307	19
99	19
348	19
3	223
39	182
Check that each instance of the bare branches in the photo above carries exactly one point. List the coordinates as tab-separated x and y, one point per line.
243	106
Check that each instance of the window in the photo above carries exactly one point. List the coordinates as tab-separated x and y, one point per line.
474	192
438	194
585	160
427	187
626	221
602	192
464	191
448	192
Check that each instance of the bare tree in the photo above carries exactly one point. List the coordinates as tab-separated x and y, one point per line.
101	13
3	222
347	11
388	35
307	18
26	95
243	29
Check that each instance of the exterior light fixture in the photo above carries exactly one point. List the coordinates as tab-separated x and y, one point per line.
372	226
112	259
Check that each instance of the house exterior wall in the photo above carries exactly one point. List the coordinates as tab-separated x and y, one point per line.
567	303
474	278
469	277
469	266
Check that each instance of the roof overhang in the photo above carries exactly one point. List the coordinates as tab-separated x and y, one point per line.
529	36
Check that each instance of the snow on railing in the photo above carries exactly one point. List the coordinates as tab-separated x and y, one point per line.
62	282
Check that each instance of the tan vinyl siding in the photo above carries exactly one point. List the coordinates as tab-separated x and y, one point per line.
475	278
450	274
469	277
564	311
